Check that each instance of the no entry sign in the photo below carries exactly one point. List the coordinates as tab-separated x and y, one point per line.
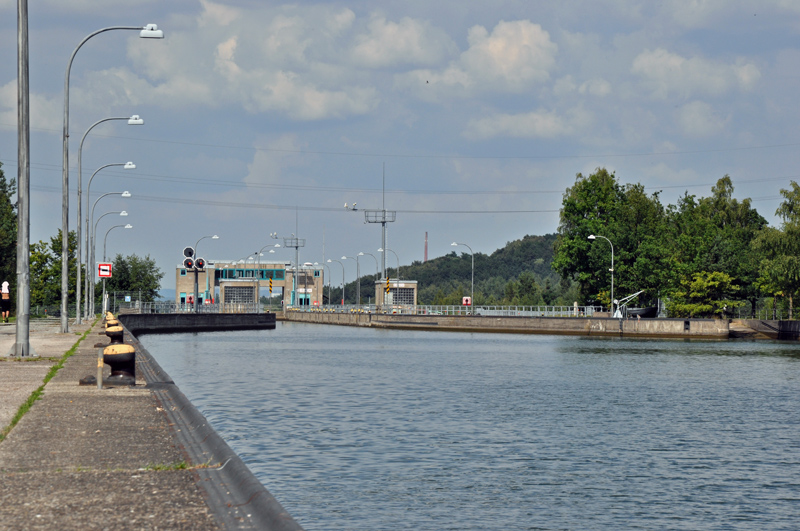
104	270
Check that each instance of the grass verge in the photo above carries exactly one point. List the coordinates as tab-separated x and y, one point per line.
37	394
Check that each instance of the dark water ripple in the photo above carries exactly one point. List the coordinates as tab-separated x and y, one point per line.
371	429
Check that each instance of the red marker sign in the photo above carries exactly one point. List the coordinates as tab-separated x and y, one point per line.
104	270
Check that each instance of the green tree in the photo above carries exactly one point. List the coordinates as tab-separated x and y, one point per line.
134	274
779	269
45	270
8	231
706	294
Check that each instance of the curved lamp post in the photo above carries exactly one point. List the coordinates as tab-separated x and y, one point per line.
358	278
472	292
214	237
377	267
150	31
122	213
592	238
398	260
341	264
126	166
128	226
125	194
133	120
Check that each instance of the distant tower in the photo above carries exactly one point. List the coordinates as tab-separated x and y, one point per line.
426	246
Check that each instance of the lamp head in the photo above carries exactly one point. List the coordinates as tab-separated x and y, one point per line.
123	213
135	120
215	237
344	258
361	254
454	244
380	250
151	31
591	237
126	194
330	261
128	226
129	166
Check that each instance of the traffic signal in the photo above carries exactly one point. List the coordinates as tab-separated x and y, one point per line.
188	263
188	252
200	263
387	284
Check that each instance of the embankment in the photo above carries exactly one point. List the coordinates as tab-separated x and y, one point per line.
602	326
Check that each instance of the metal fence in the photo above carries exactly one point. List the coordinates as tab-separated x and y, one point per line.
495	311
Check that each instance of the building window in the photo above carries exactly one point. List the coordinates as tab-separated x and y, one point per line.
183	298
316	273
183	272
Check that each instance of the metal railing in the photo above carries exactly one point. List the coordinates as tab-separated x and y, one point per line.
494	311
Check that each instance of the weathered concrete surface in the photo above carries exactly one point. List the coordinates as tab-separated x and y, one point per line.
83	458
153	323
700	328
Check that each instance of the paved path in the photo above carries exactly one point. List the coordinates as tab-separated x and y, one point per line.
84	458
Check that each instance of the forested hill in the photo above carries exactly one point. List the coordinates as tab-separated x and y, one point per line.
520	269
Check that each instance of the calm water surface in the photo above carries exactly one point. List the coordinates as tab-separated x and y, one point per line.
371	429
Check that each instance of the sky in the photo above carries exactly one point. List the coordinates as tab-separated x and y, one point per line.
466	119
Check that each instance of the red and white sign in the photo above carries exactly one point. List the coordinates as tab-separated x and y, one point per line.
104	270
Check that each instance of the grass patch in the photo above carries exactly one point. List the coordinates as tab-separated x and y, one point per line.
37	394
180	465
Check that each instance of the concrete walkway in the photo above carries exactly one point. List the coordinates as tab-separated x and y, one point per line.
84	458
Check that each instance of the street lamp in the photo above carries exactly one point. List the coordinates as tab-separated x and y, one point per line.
150	31
398	260
125	194
472	292
128	226
358	278
133	120
94	244
341	264
377	267
194	258
126	166
592	238
259	254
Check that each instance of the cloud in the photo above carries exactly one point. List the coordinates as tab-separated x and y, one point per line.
536	124
698	120
289	60
514	57
666	74
45	113
407	41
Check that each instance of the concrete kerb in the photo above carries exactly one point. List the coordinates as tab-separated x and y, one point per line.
235	496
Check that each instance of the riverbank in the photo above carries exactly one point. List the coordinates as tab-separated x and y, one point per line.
580	326
114	458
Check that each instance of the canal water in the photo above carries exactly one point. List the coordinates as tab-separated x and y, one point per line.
355	428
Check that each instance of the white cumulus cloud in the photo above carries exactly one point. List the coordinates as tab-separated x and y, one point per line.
514	57
666	73
536	124
699	120
407	41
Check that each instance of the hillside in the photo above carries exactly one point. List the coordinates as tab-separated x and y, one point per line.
445	279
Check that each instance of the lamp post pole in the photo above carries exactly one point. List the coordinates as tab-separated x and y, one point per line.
150	31
358	279
103	297
258	279
592	237
126	165
91	248
94	244
472	289
341	264
133	120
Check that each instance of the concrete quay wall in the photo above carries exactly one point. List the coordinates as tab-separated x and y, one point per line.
164	323
603	326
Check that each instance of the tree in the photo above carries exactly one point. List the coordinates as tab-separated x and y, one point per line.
45	270
8	230
779	269
134	274
706	294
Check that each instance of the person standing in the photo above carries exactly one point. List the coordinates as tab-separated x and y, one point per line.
5	301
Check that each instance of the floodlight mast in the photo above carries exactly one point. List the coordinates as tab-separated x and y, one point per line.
383	217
